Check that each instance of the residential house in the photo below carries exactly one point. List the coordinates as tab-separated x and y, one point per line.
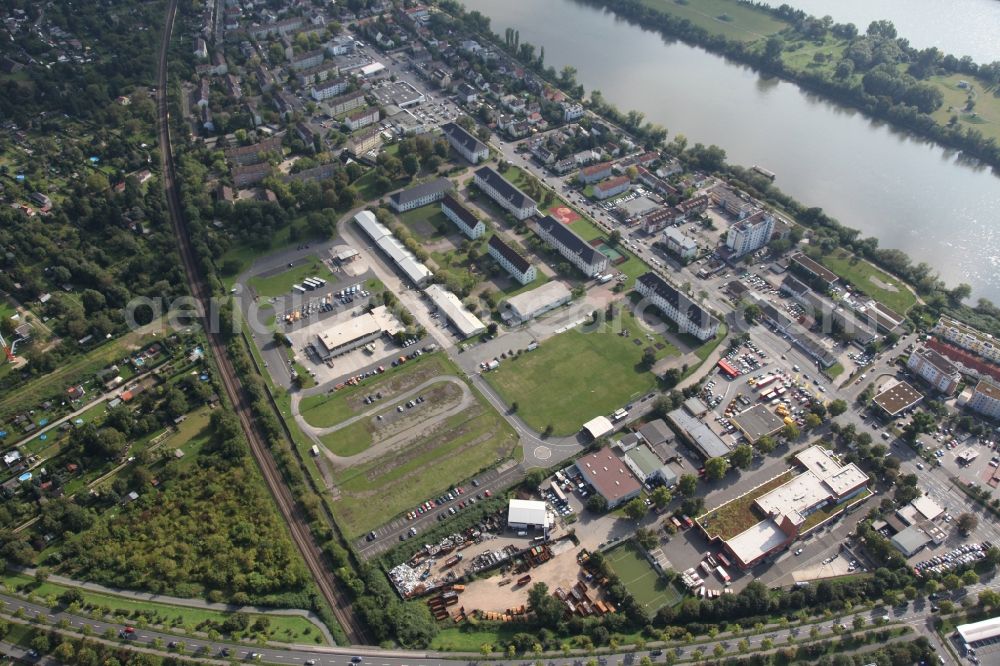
934	369
679	244
750	234
345	103
572	111
420	195
254	153
689	316
577	251
511	199
986	398
594	173
328	89
468	146
511	260
611	187
362	118
250	174
467	223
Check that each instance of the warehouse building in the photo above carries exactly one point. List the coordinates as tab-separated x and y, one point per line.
757	422
449	305
528	515
609	476
355	332
534	303
408	264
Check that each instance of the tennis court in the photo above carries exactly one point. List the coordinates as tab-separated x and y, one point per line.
613	255
642	581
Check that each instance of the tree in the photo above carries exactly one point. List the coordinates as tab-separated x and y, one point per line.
648	358
597	504
813	421
751	313
970	577
688	484
790	431
716	468
742	456
766	444
661	497
636	509
615	238
967	522
411	164
548	609
485	649
646	538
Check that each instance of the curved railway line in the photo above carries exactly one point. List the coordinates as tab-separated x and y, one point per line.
298	527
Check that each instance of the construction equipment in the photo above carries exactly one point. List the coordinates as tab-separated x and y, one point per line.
8	350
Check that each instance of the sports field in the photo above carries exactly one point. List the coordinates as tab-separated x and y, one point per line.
579	374
642	581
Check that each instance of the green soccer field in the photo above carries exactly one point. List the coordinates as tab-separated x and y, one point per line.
642	581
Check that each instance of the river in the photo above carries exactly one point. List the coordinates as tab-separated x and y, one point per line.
959	27
909	194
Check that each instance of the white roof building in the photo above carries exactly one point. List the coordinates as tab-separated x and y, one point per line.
536	302
523	514
598	426
978	633
466	323
388	243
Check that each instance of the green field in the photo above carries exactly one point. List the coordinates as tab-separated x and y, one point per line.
459	447
738	515
280	284
642	581
283	628
329	409
722	17
633	266
427	222
244	254
576	375
985	117
871	280
349	441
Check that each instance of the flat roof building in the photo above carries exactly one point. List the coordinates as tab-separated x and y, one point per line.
448	304
599	426
934	369
986	398
648	467
609	476
978	634
407	263
824	482
527	514
896	399
698	435
350	334
910	541
814	270
656	432
534	303
757	422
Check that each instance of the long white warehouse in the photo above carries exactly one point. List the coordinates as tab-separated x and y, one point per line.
447	303
419	274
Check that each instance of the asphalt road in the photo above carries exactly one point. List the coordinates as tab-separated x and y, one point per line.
916	614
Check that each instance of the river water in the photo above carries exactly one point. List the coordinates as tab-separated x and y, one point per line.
907	193
959	27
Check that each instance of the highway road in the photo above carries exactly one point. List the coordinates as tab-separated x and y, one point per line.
917	615
299	529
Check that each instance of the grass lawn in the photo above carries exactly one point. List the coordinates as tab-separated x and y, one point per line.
459	447
985	117
633	267
427	222
728	18
349	441
329	409
576	375
873	281
736	516
706	348
281	283
289	629
642	581
834	370
469	638
6	310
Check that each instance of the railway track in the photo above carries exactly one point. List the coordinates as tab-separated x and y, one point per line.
298	527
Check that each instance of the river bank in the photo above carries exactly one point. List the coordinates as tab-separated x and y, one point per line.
942	98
